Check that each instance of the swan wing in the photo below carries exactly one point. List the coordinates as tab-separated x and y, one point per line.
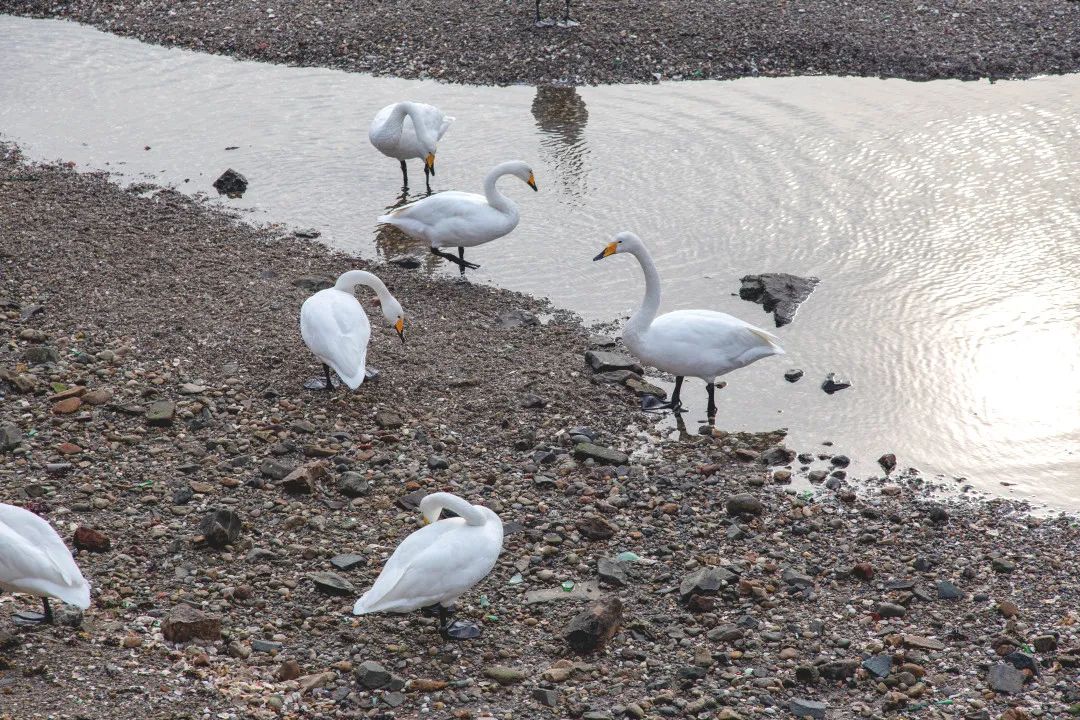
452	218
712	337
34	558
336	328
432	565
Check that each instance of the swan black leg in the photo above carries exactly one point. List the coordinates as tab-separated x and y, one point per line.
711	408
651	403
566	17
427	178
461	257
33	618
326	374
404	175
456	629
454	259
537	12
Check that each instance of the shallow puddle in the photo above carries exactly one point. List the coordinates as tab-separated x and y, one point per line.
942	219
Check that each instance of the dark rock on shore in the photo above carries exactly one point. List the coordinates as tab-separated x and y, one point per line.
220	528
231	183
592	629
779	293
186	623
834	383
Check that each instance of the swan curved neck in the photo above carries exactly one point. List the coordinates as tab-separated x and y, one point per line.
495	198
650	305
435	503
348	282
397	118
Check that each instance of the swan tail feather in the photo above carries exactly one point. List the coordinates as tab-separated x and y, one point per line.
769	339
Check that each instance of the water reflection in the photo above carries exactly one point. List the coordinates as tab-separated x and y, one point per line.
561	115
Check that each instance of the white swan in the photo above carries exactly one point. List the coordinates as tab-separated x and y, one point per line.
34	560
335	327
407	130
439	562
462	219
698	343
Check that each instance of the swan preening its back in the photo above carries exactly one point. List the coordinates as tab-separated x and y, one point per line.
438	562
460	219
696	343
34	560
335	327
407	130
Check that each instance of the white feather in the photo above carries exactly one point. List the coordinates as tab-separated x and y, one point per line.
393	132
34	559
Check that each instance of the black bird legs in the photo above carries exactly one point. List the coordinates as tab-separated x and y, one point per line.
456	629
710	411
650	403
33	618
404	176
459	260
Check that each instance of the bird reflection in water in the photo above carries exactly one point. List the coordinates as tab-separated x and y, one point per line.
396	247
561	115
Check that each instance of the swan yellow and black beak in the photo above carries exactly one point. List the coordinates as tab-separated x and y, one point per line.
608	250
400	327
429	162
532	182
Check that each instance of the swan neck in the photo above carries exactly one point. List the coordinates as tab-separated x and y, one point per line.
495	198
435	503
650	305
348	282
419	126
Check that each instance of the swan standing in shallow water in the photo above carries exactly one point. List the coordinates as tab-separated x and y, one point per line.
407	130
462	219
335	327
698	343
34	560
439	562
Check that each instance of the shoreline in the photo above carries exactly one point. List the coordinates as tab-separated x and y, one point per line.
743	597
615	42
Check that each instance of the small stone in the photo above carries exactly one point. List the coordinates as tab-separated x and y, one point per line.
602	455
332	583
891	610
371	675
938	514
388	420
592	629
517	318
548	698
314	283
863	571
91	540
192	389
288	670
1005	678
793	375
231	183
353	485
220	528
438	462
807	674
776	455
531	401
604	361
41	354
265	646
878	665
887	462
10	437
947	591
744	504
612	572
1001	565
97	397
422	685
596	528
67	406
1008	609
185	623
1045	643
275	470
706	581
834	383
347	561
801	707
161	413
839	669
305	480
923	643
504	675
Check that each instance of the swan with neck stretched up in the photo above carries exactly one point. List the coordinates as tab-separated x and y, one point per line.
35	561
461	219
695	343
438	562
336	328
407	130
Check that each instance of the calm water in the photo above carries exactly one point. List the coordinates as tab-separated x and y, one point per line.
943	219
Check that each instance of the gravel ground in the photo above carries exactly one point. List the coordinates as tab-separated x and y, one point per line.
617	41
175	327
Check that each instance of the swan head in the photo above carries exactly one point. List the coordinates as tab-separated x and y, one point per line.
519	169
391	310
624	242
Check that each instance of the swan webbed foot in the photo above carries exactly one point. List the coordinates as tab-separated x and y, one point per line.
435	610
546	22
567	23
460	630
27	618
371	374
315	383
459	261
651	403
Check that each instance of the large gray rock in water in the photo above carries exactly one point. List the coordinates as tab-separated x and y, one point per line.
231	183
779	293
